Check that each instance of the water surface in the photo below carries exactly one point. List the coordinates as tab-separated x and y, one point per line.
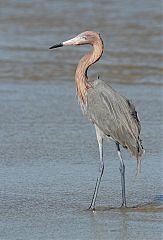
49	154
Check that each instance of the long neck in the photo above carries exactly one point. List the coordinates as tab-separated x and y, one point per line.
85	62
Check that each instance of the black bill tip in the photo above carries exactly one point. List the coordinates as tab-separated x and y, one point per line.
57	46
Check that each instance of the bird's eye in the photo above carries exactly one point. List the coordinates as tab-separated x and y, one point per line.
85	38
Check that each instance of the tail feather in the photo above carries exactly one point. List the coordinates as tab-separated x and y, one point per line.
140	154
137	150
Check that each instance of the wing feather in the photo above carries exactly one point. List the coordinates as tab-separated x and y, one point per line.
115	116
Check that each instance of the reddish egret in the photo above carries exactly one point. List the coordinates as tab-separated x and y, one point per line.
113	115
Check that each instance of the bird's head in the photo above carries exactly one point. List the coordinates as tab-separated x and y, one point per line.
88	37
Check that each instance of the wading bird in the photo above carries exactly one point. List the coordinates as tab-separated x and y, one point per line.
113	115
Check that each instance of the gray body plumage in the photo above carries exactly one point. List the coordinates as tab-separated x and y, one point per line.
115	116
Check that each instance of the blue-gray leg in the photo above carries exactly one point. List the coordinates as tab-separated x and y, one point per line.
101	170
122	171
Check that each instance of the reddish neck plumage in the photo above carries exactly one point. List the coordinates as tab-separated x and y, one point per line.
81	78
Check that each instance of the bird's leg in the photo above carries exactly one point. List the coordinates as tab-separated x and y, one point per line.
101	170
122	171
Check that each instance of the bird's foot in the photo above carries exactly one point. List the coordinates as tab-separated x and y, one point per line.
123	205
91	208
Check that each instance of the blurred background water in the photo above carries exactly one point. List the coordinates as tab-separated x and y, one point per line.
49	154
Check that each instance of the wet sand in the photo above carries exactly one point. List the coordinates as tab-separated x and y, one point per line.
49	154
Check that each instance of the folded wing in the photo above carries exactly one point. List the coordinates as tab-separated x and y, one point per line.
115	116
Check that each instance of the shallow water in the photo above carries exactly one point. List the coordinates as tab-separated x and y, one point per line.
49	154
49	163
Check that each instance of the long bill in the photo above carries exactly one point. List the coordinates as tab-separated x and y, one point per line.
56	45
72	42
